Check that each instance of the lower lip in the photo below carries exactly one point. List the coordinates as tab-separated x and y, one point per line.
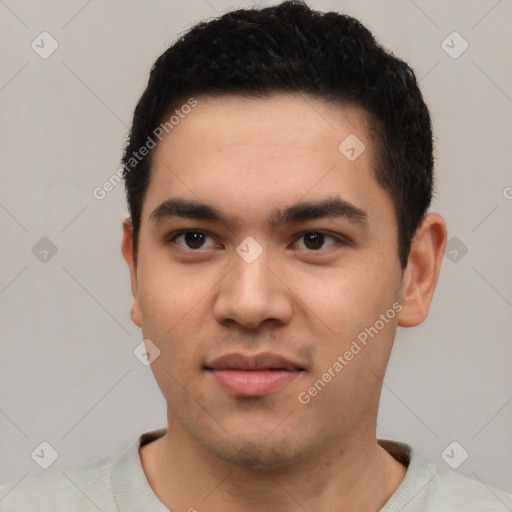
253	383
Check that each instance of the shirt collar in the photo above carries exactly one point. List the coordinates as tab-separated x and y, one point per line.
133	492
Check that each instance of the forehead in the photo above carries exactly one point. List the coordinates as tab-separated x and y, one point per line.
253	154
286	121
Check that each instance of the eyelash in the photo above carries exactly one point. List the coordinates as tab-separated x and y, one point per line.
340	239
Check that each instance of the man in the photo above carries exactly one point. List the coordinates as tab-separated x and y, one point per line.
278	172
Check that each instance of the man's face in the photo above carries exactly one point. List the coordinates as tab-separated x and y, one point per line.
282	305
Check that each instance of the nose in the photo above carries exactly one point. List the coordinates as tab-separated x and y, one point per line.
251	294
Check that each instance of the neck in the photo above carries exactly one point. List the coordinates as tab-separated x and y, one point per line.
351	473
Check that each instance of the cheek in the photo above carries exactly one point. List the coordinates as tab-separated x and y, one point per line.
176	308
343	301
167	293
166	302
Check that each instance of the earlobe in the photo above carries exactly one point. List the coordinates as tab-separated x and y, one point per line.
129	255
422	272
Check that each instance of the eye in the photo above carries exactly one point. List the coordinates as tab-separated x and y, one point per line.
310	241
314	240
191	240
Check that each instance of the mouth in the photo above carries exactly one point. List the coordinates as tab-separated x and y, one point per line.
253	376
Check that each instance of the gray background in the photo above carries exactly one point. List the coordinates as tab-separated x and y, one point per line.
68	375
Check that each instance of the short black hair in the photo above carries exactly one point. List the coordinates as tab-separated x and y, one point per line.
290	48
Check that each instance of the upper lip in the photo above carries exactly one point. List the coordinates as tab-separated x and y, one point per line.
263	361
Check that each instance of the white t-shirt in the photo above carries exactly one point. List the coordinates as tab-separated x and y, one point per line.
118	484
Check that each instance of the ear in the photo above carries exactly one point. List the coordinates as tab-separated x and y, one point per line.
423	266
131	258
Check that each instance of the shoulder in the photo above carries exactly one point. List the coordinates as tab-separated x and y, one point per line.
451	491
429	488
88	487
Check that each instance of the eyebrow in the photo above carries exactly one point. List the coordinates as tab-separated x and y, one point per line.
333	207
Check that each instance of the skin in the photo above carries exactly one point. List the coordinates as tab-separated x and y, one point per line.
248	157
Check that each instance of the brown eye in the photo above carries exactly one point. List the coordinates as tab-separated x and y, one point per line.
191	239
314	240
318	241
194	239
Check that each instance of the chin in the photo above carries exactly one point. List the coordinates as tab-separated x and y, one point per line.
251	455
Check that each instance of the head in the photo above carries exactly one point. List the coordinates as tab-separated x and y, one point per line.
297	155
293	49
